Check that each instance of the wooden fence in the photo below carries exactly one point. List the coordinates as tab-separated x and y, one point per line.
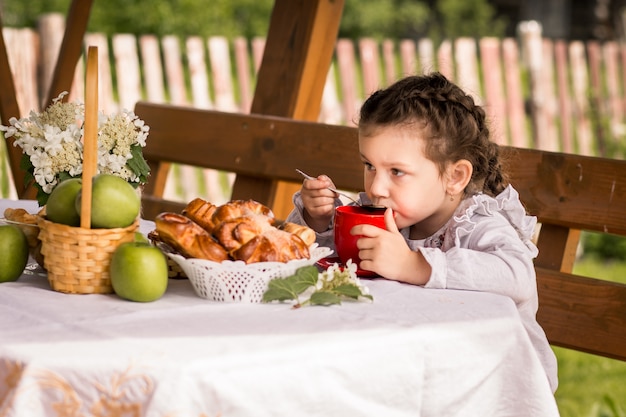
538	92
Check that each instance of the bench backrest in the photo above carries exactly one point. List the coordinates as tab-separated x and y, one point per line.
568	193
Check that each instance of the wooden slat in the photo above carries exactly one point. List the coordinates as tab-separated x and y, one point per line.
9	108
408	57
445	61
127	70
426	52
580	89
370	65
581	313
174	73
198	73
614	93
575	191
71	48
347	71
547	128
467	68
514	97
221	70
242	63
50	28
564	97
389	61
331	111
495	103
254	145
597	104
152	68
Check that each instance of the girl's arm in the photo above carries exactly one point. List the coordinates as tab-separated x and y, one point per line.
491	258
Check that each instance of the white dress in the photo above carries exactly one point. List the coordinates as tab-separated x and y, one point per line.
485	246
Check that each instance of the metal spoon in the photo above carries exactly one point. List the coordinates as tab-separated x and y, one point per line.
372	207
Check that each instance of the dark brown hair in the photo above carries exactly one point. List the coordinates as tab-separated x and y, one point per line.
454	126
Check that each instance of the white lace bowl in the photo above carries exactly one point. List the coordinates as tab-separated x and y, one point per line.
236	281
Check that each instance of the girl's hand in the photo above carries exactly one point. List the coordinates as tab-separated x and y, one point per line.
318	201
386	253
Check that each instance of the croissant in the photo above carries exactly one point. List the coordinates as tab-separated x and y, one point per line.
273	245
27	222
234	233
188	237
303	232
240	208
201	212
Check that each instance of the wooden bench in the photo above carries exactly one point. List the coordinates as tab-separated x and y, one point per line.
568	193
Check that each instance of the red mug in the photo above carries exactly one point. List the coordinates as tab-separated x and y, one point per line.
346	217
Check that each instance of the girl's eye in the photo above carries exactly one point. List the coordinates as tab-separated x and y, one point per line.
368	166
397	172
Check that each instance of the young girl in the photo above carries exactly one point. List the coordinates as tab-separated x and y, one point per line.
452	219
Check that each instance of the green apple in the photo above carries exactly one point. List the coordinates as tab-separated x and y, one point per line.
138	272
13	252
114	202
61	207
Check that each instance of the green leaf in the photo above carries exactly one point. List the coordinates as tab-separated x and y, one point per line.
324	298
26	164
304	278
279	289
283	289
138	164
348	290
277	294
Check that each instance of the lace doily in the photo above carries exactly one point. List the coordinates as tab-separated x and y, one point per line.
236	281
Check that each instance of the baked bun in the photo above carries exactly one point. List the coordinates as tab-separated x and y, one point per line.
188	237
303	232
201	212
240	208
237	232
273	245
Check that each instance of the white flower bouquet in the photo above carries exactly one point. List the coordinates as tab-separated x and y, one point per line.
53	147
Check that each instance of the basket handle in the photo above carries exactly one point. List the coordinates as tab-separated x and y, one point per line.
90	139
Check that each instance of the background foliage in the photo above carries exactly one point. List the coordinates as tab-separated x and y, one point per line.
390	18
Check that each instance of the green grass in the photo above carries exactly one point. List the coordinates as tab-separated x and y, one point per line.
590	385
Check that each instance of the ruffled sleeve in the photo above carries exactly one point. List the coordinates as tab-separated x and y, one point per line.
506	204
486	246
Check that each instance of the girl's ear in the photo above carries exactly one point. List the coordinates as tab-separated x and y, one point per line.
459	175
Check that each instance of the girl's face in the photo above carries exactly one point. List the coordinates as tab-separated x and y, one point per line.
398	175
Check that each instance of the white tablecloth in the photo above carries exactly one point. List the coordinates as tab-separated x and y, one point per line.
412	352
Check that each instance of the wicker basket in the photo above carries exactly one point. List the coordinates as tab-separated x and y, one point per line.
78	259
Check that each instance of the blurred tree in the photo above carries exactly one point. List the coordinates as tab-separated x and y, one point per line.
249	18
161	17
475	18
384	19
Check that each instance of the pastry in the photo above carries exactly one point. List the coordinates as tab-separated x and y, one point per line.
303	232
188	237
201	212
273	245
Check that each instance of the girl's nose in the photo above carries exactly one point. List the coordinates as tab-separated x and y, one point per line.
378	188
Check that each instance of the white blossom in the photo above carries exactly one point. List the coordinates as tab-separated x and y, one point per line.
52	140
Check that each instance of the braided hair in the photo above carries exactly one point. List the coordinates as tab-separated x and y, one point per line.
453	126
